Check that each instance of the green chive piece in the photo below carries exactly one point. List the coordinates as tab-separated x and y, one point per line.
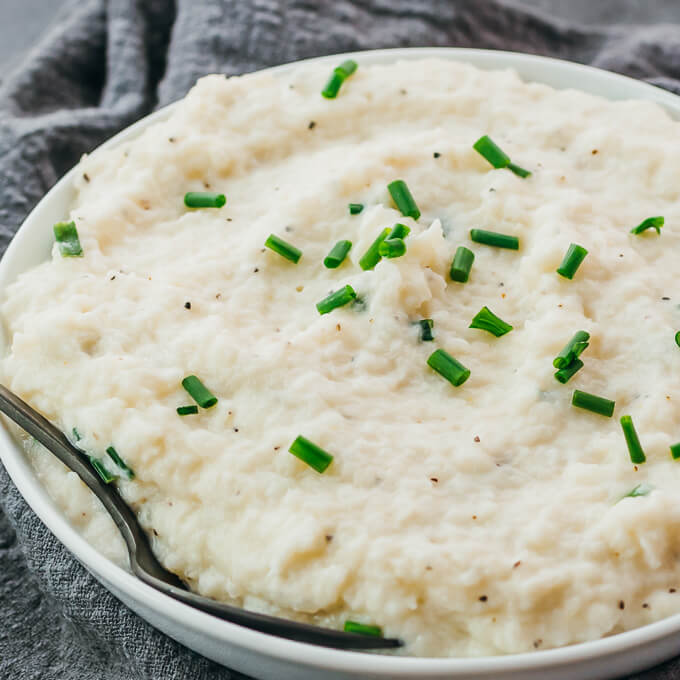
76	435
101	470
338	77
189	410
518	170
362	629
426	326
448	367
572	261
399	231
355	208
675	451
486	320
204	199
337	299
462	264
308	452
347	68
371	257
283	248
677	338
392	247
591	402
492	152
403	199
113	454
66	235
637	455
649	223
493	238
572	350
496	156
199	392
564	375
639	490
337	255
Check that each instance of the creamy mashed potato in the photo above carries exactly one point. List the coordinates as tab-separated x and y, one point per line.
483	519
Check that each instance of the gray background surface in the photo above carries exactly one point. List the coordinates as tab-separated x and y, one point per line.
23	21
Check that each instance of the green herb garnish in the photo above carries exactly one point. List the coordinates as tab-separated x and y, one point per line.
189	410
426	326
462	264
675	451
392	247
362	629
372	256
496	156
283	248
649	223
493	238
338	77
591	402
403	199
337	299
199	392
639	490
572	261
637	455
448	367
486	320
204	199
337	255
565	374
308	452
355	208
572	350
113	454
66	235
101	470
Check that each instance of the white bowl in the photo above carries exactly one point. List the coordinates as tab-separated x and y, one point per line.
266	657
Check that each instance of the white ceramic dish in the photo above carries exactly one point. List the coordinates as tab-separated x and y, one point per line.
269	658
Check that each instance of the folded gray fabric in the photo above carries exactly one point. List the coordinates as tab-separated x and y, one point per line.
106	64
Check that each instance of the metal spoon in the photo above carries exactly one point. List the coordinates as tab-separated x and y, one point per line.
142	560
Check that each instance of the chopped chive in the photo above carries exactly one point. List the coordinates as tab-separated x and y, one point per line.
496	156
572	261
362	629
392	247
113	454
101	470
347	67
308	452
337	299
426	326
199	392
649	223
462	264
564	375
639	490
492	152
486	320
518	170
355	208
76	435
448	367
675	451
66	236
371	257
204	199
637	455
591	402
572	350
283	248
399	230
403	199
493	238
189	410
340	73
338	253
677	338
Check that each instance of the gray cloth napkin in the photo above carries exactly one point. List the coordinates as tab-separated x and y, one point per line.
105	64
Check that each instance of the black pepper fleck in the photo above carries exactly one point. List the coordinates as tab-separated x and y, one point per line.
477	439
288	228
621	604
113	277
312	125
329	538
236	429
171	139
483	598
434	480
594	151
436	154
645	605
257	269
671	590
86	177
187	305
403	91
228	219
538	643
516	564
665	298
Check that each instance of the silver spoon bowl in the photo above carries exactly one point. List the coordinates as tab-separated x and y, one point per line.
142	560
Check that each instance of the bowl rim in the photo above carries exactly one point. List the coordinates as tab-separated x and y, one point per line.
541	69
